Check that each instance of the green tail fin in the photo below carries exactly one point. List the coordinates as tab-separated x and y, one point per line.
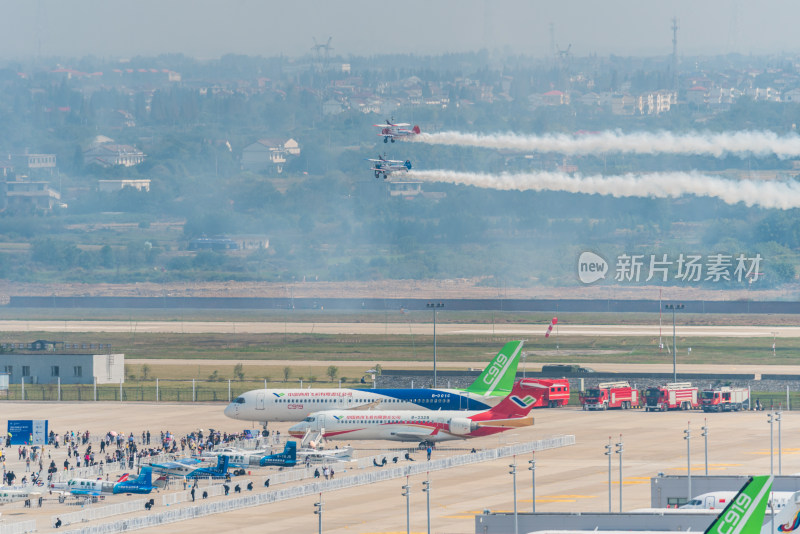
745	513
498	377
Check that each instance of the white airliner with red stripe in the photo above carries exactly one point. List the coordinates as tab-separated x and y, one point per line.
426	427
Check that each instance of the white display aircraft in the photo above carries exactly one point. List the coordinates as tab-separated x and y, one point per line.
425	427
276	405
9	495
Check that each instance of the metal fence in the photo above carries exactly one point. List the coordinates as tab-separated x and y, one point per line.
21	527
150	390
268	497
92	513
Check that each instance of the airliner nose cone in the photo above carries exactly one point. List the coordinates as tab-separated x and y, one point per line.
230	411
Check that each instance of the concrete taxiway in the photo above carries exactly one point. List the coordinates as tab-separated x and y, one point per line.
569	479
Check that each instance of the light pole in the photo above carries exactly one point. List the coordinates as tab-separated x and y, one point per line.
769	420
318	511
674	307
687	435
532	469
434	306
778	419
513	474
427	489
704	428
619	451
407	494
608	453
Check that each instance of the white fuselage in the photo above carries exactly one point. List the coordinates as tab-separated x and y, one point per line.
11	495
720	499
287	405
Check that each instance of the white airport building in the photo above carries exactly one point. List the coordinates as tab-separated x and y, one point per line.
68	368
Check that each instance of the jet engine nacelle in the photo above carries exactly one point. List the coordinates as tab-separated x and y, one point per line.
462	426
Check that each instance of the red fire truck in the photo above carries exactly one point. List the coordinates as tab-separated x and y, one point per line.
725	399
610	395
673	396
556	394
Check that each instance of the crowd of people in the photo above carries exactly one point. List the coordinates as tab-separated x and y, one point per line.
115	450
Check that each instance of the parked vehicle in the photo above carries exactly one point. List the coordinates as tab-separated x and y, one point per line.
672	396
610	395
556	395
725	399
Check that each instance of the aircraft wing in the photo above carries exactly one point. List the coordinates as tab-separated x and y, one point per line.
399	124
412	436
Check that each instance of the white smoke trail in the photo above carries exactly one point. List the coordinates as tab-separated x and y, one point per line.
742	144
776	194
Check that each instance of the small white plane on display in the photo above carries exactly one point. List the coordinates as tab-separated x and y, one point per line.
392	131
142	484
310	454
9	495
425	427
196	469
286	405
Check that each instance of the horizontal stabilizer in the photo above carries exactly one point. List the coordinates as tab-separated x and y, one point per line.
507	423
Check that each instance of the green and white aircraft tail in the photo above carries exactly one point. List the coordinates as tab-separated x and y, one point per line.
745	513
497	379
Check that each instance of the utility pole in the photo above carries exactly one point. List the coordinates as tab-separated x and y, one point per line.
770	418
674	307
407	494
318	511
704	428
434	306
778	419
675	57
427	489
619	451
532	469
687	435
513	474
608	453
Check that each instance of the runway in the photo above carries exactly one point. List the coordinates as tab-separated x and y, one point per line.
335	328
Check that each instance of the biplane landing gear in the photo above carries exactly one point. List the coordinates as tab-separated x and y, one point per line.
386	140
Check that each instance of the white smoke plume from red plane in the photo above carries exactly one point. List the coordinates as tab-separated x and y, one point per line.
742	144
766	194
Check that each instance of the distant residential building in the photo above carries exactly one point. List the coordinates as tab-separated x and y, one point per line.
792	95
29	196
33	164
555	98
213	243
268	154
109	186
106	153
405	189
250	241
332	107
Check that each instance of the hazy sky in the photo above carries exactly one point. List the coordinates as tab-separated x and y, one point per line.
211	28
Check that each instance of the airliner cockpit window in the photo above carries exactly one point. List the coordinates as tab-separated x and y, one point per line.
309	419
239	400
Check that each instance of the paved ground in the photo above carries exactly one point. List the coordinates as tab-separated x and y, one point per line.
442	329
569	479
